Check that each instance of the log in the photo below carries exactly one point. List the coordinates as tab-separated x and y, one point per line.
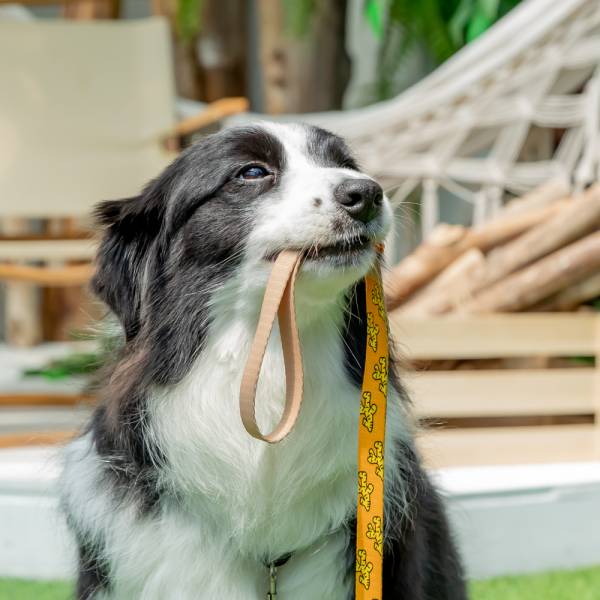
577	219
543	195
448	289
448	242
571	297
445	243
507	227
548	276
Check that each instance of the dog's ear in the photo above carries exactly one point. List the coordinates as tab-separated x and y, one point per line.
130	227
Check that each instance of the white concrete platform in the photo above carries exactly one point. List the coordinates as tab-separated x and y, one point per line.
526	518
507	519
34	541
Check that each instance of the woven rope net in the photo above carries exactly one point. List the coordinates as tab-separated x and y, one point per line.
517	108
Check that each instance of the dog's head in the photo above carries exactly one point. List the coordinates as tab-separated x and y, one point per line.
222	211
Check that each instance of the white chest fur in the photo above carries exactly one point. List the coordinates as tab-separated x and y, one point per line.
241	501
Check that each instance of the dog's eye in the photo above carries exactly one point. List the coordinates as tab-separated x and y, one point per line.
253	172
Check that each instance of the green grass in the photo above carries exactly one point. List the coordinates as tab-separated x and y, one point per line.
568	585
583	584
17	589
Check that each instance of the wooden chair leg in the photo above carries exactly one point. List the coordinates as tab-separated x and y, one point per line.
22	323
22	314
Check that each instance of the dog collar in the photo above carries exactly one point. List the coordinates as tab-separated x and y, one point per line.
278	303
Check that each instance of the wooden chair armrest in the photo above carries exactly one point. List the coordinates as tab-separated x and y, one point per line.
213	113
12	400
69	275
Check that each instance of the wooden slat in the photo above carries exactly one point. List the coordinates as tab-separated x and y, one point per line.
19	400
68	275
45	237
497	335
510	445
503	392
35	438
47	250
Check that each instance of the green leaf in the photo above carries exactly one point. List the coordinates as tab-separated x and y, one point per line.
81	363
478	24
188	18
458	22
489	8
441	27
375	16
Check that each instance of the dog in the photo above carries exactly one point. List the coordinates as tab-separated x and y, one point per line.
167	496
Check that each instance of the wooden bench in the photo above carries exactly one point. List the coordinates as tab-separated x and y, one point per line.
531	415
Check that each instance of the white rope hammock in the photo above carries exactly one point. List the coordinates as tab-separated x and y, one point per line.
518	107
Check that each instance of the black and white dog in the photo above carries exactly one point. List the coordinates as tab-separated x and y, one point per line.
167	495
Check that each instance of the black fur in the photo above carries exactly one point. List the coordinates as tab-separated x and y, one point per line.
330	150
161	255
178	240
93	575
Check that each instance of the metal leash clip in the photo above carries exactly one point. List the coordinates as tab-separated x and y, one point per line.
273	566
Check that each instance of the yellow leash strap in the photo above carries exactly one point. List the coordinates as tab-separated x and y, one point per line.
371	445
279	302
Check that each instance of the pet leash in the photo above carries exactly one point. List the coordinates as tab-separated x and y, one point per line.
279	302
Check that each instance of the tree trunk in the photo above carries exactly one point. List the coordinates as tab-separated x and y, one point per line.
188	81
304	71
221	49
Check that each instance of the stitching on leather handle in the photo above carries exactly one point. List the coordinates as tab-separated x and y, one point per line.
278	302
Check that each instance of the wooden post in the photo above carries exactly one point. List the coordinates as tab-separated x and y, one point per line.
597	387
187	72
220	49
22	301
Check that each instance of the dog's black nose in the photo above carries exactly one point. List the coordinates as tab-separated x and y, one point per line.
361	198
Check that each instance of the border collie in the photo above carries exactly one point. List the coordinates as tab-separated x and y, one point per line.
167	495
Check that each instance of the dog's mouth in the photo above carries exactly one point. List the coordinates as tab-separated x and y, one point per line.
346	250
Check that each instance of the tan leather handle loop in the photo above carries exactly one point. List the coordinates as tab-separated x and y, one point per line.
278	301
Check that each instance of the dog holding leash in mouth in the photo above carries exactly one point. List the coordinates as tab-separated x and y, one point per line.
167	495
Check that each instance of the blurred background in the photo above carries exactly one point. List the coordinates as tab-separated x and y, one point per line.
481	118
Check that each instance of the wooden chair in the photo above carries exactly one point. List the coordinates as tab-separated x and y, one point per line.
87	113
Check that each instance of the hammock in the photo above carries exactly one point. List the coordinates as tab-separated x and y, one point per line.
518	107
